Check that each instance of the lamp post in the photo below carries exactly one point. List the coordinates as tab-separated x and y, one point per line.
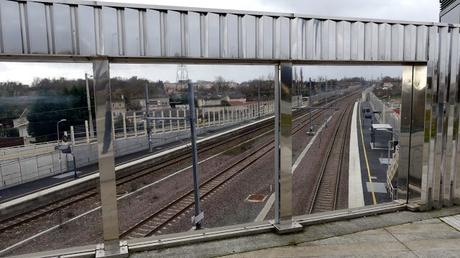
57	128
88	101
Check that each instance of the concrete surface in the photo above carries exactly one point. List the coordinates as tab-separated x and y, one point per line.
399	234
355	189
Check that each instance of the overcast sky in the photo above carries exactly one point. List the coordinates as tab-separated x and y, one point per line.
411	10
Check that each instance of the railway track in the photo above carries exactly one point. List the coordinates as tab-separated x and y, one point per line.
168	213
327	184
138	172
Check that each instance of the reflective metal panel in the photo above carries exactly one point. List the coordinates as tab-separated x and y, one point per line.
86	30
343	40
422	43
444	45
173	34
249	36
452	117
105	149
397	42
282	38
152	33
267	37
193	34
430	120
410	38
10	27
371	43
404	138
132	32
232	36
296	35
357	41
37	31
110	35
62	29
311	38
286	142
277	144
384	42
213	35
417	131
331	34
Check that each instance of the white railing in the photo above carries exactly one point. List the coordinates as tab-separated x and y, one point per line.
30	162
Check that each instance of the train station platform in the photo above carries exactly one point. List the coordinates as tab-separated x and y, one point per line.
373	161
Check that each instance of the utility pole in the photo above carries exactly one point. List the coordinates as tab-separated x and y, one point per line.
199	215
258	98
88	101
147	117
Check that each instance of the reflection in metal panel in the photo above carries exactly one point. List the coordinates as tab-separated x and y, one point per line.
232	37
173	35
213	35
10	27
86	30
153	33
62	29
193	35
110	35
132	33
36	28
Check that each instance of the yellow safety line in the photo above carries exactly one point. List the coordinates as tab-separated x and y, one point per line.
374	200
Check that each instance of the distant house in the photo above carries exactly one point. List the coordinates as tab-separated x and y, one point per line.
387	85
156	102
21	124
236	102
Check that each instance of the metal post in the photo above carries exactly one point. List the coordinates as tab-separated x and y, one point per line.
124	125
199	215
162	121
72	135
170	121
258	99
86	131
284	180
277	145
113	127
106	161
88	101
74	166
135	124
147	118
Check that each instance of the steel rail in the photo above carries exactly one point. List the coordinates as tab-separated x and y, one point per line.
320	182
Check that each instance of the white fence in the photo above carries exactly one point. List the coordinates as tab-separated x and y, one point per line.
386	115
30	162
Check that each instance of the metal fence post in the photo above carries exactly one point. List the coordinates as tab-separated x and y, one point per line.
106	160
199	215
283	176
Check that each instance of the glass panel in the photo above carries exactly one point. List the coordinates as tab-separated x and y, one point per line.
155	185
44	142
345	136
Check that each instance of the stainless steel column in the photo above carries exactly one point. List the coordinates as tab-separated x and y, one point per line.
106	155
283	152
404	138
277	143
419	82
